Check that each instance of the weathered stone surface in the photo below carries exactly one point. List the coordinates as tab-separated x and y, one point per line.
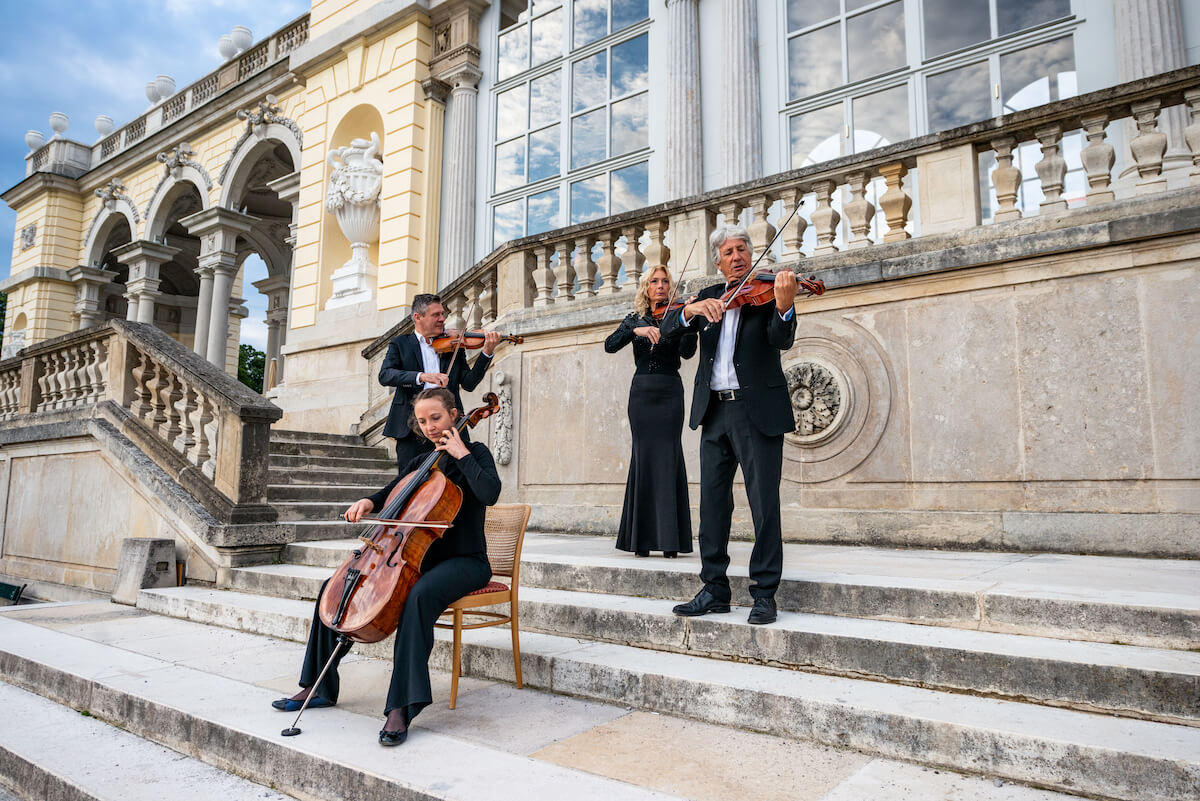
144	563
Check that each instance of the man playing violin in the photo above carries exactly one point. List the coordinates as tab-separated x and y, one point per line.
412	364
741	400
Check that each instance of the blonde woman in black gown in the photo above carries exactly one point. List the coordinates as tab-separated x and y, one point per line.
657	515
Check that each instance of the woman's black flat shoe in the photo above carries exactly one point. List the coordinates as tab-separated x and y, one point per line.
641	553
670	554
392	737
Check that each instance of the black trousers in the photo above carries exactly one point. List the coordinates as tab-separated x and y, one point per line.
437	588
729	438
409	448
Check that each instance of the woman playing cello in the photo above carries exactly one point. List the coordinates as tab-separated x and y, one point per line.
454	566
657	515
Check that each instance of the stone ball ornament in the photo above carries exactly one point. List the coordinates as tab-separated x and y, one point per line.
34	139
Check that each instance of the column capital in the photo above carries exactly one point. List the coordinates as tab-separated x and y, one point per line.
90	275
463	77
436	89
218	228
143	250
287	187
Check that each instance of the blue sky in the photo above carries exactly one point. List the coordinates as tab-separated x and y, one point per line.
91	57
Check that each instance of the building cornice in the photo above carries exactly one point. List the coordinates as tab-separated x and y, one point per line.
39	182
38	273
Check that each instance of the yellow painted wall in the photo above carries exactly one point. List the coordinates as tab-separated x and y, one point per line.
328	14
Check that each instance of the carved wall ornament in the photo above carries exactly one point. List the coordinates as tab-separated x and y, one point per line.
353	198
819	399
175	160
114	192
441	40
503	434
28	236
257	120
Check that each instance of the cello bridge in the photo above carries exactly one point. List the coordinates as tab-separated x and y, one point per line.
371	544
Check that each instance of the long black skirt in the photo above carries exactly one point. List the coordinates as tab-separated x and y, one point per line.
657	515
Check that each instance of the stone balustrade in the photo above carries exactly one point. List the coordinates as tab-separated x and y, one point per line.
856	203
197	423
240	68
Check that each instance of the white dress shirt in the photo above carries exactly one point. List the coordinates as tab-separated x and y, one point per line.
724	374
429	358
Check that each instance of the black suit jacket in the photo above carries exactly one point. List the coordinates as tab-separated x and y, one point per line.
761	336
400	369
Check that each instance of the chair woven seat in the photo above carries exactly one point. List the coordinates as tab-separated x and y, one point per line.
492	586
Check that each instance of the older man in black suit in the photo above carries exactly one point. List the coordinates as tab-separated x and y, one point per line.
741	399
411	365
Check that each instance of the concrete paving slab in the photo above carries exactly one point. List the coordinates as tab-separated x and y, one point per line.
882	780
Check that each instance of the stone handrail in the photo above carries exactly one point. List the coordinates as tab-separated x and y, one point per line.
202	426
557	267
249	63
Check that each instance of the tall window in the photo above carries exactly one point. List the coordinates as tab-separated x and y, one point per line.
571	105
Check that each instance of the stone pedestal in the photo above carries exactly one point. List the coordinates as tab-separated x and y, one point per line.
145	563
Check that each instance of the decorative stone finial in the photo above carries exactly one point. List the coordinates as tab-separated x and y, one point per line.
353	197
241	36
226	47
59	123
104	125
34	139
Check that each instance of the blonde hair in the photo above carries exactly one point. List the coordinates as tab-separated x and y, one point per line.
641	301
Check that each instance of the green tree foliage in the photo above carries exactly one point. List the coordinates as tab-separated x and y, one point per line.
251	364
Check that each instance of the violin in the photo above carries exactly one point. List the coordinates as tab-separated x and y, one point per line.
452	339
664	307
364	598
758	289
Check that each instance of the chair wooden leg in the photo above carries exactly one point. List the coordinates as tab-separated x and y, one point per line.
512	608
457	666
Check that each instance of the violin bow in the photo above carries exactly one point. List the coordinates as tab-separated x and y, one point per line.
461	339
678	281
766	250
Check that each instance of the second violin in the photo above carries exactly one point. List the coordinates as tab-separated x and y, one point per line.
452	339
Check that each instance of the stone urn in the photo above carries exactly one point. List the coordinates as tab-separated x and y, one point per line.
104	125
242	37
226	47
152	92
34	139
165	85
353	198
59	122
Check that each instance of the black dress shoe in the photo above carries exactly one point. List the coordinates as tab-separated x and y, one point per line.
670	554
392	737
702	604
763	611
642	554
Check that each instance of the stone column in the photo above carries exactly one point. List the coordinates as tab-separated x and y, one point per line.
458	181
1149	42
88	281
741	120
275	287
218	230
144	258
685	157
288	189
203	310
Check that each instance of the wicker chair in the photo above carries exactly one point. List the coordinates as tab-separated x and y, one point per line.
504	528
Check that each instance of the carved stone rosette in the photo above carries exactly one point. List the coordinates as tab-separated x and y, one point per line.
353	197
820	400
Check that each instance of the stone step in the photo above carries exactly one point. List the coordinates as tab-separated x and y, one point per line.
283	463
358	477
1125	680
1079	752
310	449
229	723
320	531
57	753
1148	602
313	511
334	493
286	435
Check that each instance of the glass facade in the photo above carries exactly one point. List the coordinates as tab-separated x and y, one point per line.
571	140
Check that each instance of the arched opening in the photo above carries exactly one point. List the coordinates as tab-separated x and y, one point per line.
179	286
114	232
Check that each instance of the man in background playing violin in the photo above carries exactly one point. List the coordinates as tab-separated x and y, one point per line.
412	364
741	400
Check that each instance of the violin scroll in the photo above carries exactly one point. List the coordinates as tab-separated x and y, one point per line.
491	405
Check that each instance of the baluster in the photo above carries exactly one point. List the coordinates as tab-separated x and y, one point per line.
99	368
1098	159
859	211
584	267
55	364
8	392
731	211
158	415
564	276
185	409
170	395
793	230
1051	170
487	297
66	377
632	259
477	290
895	202
455	306
543	278
1007	180
825	218
1191	134
761	231
657	253
1148	147
206	429
143	373
84	373
609	265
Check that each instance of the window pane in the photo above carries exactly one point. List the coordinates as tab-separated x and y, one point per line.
814	62
591	20
958	97
545	100
587	199
514	52
543	153
875	41
854	5
1037	75
510	112
547	37
1015	15
816	136
630	64
589	82
510	164
880	118
587	138
951	24
630	188
629	130
540	6
506	221
802	13
543	212
627	12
